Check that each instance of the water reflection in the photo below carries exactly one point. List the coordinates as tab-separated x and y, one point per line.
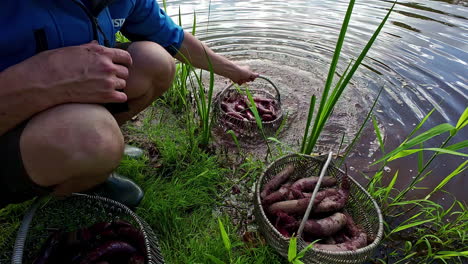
420	58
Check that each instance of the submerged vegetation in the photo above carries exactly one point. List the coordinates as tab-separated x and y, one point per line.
186	183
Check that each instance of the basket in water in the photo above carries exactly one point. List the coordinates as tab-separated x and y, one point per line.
239	118
77	211
360	205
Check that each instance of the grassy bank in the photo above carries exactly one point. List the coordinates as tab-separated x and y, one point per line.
185	186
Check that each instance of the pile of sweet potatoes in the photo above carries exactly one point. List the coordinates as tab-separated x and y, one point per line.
116	242
237	107
285	203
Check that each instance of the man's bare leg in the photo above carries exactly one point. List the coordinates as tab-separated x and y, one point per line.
151	75
74	147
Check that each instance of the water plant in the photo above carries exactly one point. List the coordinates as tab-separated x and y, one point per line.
418	228
328	102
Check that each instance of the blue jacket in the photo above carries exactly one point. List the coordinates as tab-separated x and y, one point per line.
32	26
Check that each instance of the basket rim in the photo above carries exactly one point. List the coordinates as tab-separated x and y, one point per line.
221	95
41	203
367	248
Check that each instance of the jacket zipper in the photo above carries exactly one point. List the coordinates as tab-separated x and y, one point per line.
94	22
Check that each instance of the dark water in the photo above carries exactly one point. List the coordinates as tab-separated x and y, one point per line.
420	58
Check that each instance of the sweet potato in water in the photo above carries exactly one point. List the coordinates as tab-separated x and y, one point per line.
277	180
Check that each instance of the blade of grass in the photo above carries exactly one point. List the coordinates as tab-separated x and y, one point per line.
378	134
194	25
224	235
341	144
292	249
389	188
180	17
324	116
234	138
454	173
309	120
463	121
420	158
331	73
435	131
408	152
358	134
165	6
413	224
459	145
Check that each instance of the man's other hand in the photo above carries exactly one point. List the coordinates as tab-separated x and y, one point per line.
87	73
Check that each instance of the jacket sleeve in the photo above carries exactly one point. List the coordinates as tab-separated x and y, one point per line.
147	21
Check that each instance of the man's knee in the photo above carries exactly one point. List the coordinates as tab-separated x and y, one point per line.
68	141
155	63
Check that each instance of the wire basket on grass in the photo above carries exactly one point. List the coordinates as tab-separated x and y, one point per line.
243	126
361	206
77	211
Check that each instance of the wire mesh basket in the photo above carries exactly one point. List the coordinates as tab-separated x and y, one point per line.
361	206
244	127
72	213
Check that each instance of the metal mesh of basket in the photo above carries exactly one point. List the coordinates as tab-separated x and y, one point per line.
361	206
74	212
249	128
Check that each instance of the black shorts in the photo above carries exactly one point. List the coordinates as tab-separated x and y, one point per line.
14	181
16	184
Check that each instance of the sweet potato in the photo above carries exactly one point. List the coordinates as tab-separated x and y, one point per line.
136	259
332	203
354	243
226	107
239	108
49	249
284	223
236	115
107	250
249	115
337	201
326	226
280	195
289	207
308	184
268	117
132	236
263	100
262	110
300	206
277	180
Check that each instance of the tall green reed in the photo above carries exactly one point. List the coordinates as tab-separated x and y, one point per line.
327	103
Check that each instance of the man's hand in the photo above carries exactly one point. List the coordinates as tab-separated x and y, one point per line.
243	75
88	73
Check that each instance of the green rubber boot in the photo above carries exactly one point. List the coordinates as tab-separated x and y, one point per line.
120	189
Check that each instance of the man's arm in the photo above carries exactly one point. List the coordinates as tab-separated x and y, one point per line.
197	54
87	73
20	100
